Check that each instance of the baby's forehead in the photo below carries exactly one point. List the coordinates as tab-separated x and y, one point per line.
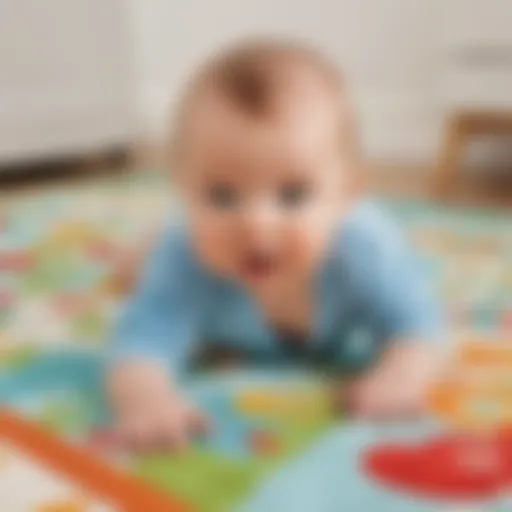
303	129
304	109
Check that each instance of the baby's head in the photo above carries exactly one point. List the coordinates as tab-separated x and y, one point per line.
265	155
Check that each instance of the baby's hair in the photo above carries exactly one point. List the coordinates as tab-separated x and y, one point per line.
251	73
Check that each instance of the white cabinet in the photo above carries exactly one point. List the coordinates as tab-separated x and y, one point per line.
476	64
65	77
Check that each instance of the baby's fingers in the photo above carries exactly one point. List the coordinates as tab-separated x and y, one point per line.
137	434
183	424
385	402
369	400
174	432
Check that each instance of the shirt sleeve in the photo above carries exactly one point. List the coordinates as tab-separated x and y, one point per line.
160	320
390	280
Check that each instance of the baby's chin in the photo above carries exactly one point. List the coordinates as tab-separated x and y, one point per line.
273	279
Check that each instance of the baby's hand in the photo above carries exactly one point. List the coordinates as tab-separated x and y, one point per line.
398	386
149	415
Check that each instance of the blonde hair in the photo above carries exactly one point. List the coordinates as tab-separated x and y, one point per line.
248	74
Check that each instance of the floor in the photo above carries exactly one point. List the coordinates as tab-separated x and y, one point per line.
477	189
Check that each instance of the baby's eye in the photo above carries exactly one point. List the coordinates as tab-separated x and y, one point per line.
222	196
294	195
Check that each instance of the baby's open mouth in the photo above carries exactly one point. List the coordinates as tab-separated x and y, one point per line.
259	264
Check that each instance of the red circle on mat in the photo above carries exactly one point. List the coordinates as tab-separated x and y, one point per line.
445	468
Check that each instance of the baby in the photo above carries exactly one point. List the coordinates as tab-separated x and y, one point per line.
279	256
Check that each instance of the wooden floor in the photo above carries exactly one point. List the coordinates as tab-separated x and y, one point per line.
488	189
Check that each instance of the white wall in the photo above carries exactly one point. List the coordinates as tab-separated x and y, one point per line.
467	34
64	76
389	49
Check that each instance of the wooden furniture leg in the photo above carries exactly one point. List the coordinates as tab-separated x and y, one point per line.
450	159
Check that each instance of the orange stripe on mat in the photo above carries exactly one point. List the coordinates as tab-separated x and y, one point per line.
121	490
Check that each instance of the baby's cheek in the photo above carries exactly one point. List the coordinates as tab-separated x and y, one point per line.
215	247
307	247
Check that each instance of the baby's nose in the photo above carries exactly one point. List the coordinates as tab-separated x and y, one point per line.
260	219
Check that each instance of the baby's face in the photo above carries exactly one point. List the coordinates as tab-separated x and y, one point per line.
263	195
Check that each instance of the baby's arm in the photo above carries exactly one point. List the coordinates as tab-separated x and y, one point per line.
397	387
406	318
152	340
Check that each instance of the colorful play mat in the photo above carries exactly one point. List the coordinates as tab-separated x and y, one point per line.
278	445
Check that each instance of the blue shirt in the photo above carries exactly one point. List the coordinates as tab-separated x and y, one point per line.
370	291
